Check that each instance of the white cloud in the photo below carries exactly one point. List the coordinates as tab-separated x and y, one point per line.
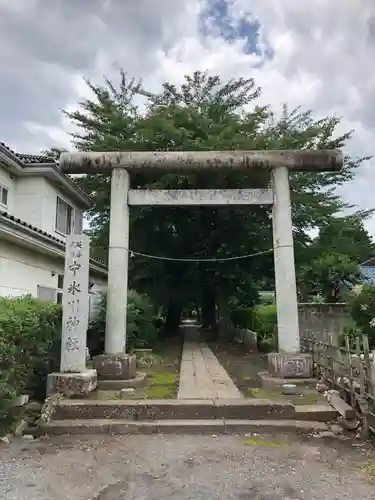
322	59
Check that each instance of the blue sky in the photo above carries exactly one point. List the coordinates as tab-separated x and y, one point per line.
218	19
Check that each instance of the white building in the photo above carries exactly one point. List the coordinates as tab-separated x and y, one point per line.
39	206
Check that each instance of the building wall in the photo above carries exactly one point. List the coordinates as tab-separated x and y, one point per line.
36	199
23	270
29	200
9	182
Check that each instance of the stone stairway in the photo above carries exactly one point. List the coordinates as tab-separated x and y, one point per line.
198	416
208	403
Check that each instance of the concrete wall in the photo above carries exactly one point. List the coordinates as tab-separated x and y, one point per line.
319	320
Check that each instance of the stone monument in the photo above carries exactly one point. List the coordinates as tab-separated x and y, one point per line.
74	379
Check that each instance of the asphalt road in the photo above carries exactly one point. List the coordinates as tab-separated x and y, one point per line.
182	468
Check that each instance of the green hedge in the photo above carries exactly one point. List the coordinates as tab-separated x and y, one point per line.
362	310
142	324
29	348
261	319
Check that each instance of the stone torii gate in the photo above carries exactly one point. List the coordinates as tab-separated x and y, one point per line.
115	364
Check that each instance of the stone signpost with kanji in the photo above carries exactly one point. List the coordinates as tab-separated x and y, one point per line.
74	378
75	304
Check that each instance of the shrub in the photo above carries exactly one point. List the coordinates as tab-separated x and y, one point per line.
242	317
267	327
261	319
352	330
30	332
142	324
266	319
363	312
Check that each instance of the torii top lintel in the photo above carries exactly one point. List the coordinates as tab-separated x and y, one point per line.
328	160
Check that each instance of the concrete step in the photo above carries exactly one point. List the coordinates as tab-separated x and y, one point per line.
148	409
210	427
177	409
317	412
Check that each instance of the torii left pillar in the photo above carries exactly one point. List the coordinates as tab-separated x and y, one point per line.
115	367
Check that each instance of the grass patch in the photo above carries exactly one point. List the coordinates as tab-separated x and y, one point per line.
162	369
260	393
160	392
162	378
369	470
306	397
260	441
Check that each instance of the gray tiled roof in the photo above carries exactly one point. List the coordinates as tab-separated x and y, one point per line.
30	160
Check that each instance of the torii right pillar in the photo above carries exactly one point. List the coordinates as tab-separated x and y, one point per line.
289	362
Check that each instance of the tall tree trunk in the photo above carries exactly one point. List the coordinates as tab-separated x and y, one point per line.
209	314
173	317
226	327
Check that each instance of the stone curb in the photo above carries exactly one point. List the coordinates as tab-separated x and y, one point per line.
174	409
200	427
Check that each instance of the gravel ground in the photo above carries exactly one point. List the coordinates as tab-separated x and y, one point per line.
183	467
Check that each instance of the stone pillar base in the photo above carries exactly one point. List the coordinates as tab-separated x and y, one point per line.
72	384
297	365
112	367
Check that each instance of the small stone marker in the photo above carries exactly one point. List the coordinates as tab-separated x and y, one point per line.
289	389
124	393
75	304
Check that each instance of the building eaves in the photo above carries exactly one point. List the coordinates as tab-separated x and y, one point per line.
53	239
26	160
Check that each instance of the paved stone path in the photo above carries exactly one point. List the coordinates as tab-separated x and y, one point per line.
202	376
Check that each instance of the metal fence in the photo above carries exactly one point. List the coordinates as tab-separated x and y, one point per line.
349	369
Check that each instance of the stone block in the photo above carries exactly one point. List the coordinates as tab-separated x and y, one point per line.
316	413
268	381
252	409
96	409
296	365
110	367
117	385
124	393
175	409
72	384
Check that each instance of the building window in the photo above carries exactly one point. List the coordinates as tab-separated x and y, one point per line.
64	217
68	220
60	286
46	293
78	222
3	195
60	281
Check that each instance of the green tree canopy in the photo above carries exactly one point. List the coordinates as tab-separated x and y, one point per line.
204	113
346	236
